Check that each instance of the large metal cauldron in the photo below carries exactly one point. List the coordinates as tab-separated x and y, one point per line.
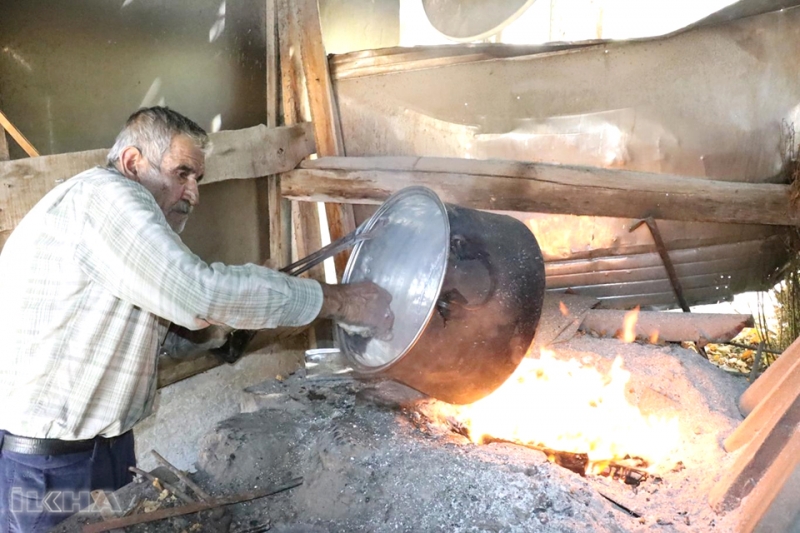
467	290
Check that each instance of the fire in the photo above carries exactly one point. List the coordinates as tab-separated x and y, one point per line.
564	406
629	325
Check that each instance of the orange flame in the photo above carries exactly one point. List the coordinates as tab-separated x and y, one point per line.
654	337
563	308
629	325
565	406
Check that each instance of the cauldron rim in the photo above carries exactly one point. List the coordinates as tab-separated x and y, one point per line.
369	224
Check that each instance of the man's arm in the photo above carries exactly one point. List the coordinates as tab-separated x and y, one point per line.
127	246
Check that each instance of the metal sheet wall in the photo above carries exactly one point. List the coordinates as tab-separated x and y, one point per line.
710	102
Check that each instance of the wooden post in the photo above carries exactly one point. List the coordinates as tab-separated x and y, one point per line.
305	217
3	145
278	209
324	112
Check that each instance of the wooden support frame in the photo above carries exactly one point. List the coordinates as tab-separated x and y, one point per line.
774	403
543	188
17	135
238	154
765	477
324	112
304	215
4	156
277	208
770	380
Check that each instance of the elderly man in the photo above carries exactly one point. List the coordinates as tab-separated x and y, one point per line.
90	281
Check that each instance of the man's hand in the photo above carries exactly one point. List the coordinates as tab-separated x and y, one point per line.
359	305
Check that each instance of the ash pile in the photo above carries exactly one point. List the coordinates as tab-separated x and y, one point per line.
373	458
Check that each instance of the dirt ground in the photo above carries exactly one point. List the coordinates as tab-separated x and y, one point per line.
372	461
367	466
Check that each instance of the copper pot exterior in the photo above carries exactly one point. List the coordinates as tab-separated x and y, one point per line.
486	314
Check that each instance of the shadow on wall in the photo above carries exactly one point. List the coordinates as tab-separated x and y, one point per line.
71	72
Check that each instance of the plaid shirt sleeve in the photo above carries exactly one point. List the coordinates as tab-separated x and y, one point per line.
127	246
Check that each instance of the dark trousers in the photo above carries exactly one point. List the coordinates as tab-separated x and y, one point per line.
39	491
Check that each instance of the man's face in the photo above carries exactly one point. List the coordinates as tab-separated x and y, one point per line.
175	185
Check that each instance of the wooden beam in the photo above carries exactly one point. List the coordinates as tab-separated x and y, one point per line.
239	154
762	467
543	188
771	379
304	216
772	505
277	208
17	135
272	72
671	327
769	410
305	222
324	113
174	369
3	145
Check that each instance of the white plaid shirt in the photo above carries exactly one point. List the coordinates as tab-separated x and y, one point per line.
89	282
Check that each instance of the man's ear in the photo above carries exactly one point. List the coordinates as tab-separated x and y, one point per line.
129	161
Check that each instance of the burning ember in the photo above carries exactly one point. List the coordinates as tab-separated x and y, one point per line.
564	406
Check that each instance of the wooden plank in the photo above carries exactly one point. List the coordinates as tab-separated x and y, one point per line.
257	151
543	188
277	209
771	407
388	60
305	222
671	327
3	145
772	506
272	72
239	154
263	186
762	467
295	108
324	113
17	135
174	369
771	379
306	236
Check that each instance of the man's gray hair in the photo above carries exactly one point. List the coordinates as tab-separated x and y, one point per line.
151	130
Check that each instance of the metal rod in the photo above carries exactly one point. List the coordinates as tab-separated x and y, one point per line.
622	507
332	249
161	514
754	371
751	347
664	253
